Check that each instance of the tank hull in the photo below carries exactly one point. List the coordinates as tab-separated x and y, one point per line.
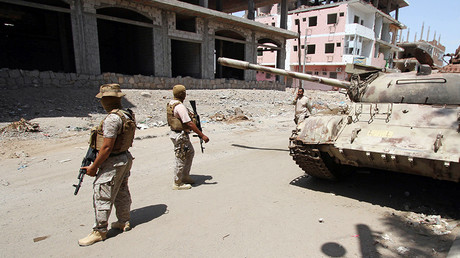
414	139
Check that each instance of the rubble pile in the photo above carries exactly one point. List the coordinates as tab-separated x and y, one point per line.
436	224
80	110
20	126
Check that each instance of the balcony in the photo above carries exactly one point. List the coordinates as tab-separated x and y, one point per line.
352	59
360	30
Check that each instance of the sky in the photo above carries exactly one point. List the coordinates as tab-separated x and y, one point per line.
442	16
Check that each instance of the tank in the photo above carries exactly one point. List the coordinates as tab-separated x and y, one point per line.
401	122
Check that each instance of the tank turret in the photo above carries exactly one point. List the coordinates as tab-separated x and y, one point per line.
402	122
421	87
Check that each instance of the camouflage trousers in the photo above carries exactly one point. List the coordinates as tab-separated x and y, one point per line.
111	188
184	152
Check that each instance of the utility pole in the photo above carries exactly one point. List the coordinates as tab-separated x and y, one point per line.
299	54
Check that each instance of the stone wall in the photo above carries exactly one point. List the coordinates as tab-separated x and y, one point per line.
15	78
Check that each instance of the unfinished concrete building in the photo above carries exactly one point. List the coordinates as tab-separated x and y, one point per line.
137	43
406	61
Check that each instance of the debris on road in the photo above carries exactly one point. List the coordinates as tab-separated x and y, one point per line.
402	250
21	126
37	239
434	223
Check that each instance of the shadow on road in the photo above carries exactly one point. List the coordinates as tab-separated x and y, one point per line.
416	235
258	148
141	216
332	249
30	103
402	192
413	241
201	180
146	214
367	241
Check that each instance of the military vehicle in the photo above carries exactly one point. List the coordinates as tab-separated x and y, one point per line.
402	122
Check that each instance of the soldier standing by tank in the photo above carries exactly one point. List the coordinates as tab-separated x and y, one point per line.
303	107
112	165
181	121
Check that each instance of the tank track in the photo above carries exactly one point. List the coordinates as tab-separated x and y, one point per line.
310	161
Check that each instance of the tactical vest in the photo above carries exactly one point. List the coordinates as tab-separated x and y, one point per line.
175	123
124	139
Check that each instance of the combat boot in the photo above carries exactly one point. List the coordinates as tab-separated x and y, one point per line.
92	238
188	180
123	226
181	186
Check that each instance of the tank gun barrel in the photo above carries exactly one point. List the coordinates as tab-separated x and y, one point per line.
302	76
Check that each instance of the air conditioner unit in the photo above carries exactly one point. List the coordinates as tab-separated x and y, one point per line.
338	69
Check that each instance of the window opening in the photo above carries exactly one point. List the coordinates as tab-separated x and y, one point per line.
332	18
312	21
329	48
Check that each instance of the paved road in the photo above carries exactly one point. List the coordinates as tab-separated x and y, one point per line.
250	200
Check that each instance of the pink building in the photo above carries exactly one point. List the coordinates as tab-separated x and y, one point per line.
333	35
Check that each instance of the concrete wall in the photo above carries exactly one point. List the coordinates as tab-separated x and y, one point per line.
15	78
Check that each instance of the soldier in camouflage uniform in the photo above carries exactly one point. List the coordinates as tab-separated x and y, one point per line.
112	138
181	121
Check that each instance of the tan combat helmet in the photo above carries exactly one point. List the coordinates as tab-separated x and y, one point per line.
179	92
110	90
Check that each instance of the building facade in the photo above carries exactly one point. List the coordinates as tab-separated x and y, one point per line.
335	34
123	38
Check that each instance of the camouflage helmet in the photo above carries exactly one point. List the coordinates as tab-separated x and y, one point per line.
110	90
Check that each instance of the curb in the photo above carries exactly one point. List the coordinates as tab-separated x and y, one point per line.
454	251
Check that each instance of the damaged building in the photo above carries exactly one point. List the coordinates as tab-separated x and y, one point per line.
137	43
334	33
406	61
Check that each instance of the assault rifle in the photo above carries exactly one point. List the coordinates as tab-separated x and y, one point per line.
87	160
198	123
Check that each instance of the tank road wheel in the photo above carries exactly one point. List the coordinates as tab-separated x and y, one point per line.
338	170
317	164
310	161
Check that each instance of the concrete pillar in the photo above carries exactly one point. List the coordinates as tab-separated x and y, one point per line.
423	28
162	48
219	5
207	53
428	34
280	60
387	9
204	3
376	3
298	4
85	38
251	10
397	13
250	55
284	14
